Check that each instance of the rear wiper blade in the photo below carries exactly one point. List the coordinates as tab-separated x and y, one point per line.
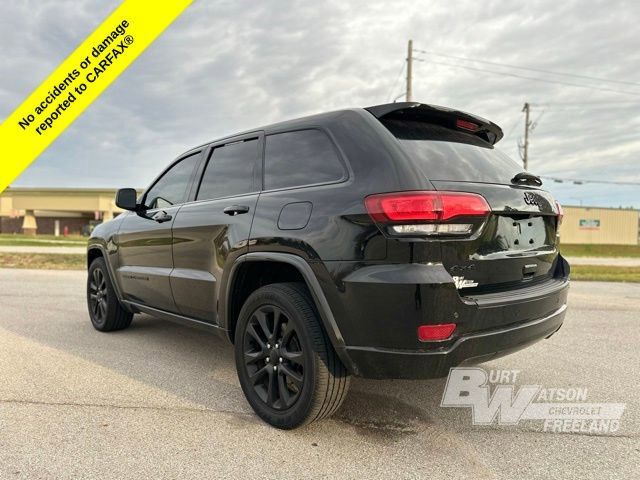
526	178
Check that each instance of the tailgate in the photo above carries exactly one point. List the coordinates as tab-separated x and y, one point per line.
516	246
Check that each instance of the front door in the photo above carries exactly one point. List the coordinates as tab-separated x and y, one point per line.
212	231
144	242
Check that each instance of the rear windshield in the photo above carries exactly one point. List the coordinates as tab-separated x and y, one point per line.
445	154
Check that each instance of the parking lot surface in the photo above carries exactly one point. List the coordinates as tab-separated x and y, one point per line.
161	400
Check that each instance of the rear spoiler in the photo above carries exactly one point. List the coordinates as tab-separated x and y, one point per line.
447	117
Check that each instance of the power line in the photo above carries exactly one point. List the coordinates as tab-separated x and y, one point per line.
600	103
578	108
397	79
539	70
535	79
534	124
511	130
580	182
574	106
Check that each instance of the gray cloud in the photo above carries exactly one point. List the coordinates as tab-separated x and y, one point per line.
224	66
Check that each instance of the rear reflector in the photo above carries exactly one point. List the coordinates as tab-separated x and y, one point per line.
430	333
425	206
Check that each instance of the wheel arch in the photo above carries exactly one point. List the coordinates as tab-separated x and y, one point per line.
94	252
297	270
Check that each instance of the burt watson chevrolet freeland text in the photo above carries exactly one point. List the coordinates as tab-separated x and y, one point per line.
89	70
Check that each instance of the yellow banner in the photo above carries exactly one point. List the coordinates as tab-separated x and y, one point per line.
79	80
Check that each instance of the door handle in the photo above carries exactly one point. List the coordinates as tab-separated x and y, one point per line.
162	217
234	210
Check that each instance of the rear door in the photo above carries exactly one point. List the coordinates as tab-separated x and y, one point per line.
144	244
210	232
517	243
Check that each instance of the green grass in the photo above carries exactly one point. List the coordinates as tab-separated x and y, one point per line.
18	240
44	261
571	250
78	262
605	273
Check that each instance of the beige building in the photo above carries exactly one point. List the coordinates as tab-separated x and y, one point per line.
595	225
75	210
55	210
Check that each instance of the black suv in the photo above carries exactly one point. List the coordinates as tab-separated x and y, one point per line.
388	242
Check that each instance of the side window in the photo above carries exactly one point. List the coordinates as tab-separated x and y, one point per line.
230	170
171	188
299	158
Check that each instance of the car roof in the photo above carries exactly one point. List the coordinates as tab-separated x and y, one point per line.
377	111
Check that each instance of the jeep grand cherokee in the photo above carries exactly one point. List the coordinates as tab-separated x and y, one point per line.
388	242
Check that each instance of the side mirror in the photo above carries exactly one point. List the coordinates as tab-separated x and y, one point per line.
126	198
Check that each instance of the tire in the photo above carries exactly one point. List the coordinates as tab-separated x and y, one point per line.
105	310
308	381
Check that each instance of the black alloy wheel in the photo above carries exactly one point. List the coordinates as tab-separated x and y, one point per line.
287	367
274	357
98	295
105	310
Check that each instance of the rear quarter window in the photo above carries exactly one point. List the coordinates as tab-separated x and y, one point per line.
302	157
445	154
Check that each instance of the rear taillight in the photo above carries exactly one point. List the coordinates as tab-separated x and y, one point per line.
560	213
428	213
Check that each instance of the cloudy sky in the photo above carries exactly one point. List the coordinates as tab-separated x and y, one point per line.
225	66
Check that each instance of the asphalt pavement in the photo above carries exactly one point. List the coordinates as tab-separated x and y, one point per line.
161	400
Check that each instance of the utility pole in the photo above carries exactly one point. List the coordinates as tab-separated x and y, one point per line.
527	126
409	71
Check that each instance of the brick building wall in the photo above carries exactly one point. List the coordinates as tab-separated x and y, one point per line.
10	225
46	225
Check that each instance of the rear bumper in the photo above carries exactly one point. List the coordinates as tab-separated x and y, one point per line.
473	348
378	309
